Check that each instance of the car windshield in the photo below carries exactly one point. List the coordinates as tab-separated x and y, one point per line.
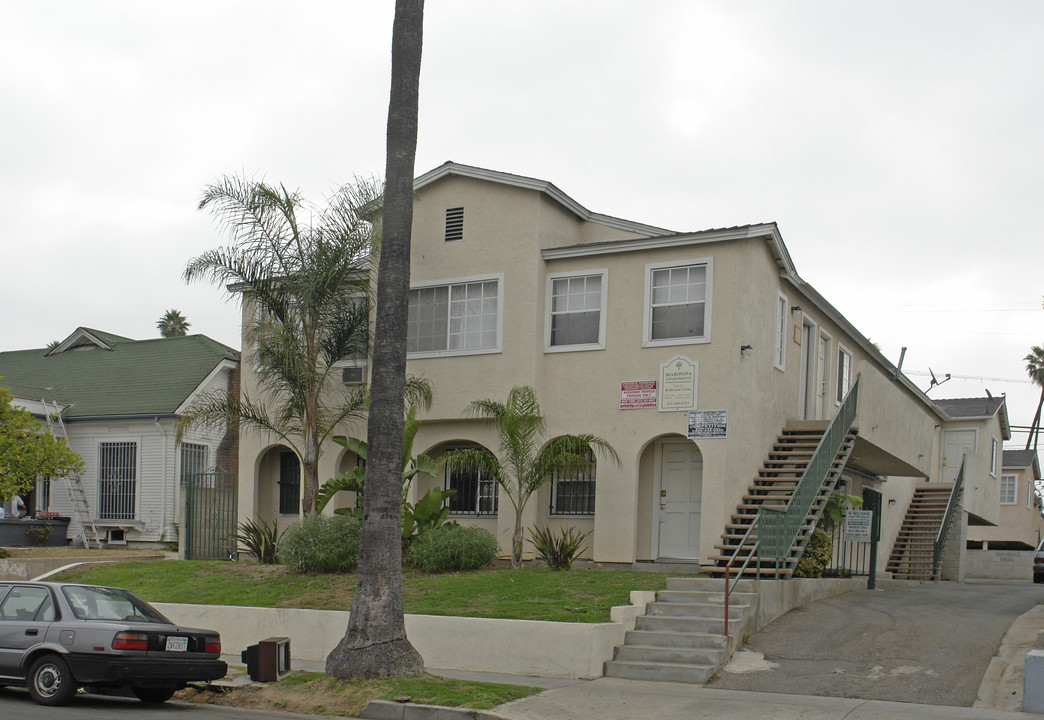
102	603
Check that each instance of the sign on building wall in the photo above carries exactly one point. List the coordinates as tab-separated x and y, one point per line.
678	378
708	424
637	394
858	524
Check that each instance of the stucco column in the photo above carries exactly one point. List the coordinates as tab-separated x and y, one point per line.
616	504
952	566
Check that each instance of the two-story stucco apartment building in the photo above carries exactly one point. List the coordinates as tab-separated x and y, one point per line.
623	329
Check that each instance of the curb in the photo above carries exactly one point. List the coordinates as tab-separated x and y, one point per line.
391	710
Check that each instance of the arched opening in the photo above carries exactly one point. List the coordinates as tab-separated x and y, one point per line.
279	486
670	499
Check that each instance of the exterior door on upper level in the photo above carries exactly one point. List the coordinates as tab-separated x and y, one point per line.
955	444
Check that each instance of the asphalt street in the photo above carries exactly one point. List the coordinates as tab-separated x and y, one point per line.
928	643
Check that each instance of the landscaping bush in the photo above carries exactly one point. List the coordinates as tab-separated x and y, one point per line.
260	539
322	544
816	556
452	547
4	553
558	551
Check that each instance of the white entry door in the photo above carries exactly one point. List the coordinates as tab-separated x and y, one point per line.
955	444
680	496
823	378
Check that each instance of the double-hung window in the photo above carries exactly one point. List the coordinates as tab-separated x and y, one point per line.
994	456
455	318
1008	489
576	311
678	302
779	350
117	480
574	493
844	372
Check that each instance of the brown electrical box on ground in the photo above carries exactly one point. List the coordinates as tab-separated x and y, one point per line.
269	660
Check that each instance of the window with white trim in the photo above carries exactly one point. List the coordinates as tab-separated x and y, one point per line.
574	493
117	480
678	302
1008	489
779	351
994	456
844	372
576	311
454	318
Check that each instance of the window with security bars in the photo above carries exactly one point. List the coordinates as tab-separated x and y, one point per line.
195	459
454	224
117	480
476	493
457	317
289	484
574	493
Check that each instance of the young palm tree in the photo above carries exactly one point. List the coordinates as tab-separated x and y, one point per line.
1035	369
173	324
375	643
308	287
524	466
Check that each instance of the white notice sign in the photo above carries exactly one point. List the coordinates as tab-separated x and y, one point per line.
858	524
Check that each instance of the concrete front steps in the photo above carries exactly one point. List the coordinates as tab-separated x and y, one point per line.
681	636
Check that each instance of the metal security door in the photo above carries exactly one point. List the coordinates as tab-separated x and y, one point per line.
210	516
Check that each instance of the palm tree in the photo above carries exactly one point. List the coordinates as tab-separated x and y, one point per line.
523	466
375	643
1035	369
173	324
308	287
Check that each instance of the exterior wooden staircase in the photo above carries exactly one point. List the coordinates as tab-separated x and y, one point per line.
913	553
681	637
772	487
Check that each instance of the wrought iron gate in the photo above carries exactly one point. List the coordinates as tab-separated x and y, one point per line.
853	558
210	516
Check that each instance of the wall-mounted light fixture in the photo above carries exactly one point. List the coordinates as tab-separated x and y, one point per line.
891	501
795	309
746	350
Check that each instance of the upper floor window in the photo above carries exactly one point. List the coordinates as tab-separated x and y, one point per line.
678	302
844	372
779	351
994	457
1008	489
576	311
455	318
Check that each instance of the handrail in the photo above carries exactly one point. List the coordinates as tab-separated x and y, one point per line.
777	527
944	528
781	529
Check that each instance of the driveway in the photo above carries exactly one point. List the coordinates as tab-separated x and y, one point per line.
928	643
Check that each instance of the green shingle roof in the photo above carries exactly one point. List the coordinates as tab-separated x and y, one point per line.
135	377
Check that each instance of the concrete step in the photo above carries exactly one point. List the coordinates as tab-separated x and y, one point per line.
703	626
709	584
713	597
660	672
697	610
673	655
648	638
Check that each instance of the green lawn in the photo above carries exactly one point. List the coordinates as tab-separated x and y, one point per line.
527	594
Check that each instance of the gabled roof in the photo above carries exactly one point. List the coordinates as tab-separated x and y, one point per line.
520	181
1019	459
980	408
105	375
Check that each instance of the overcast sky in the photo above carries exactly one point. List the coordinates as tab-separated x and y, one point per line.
898	145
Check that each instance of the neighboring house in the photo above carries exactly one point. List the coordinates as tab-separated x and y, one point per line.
120	400
1021	525
624	328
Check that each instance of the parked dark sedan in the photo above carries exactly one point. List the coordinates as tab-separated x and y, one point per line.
58	637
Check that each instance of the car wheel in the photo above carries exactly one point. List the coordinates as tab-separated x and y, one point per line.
50	682
153	694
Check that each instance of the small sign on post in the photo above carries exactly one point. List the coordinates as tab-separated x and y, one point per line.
858	525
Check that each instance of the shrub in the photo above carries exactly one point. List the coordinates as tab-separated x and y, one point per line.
4	553
816	556
558	551
260	539
322	544
452	547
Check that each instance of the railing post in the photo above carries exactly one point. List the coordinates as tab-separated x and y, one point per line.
728	566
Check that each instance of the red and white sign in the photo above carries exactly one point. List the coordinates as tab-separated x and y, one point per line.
637	394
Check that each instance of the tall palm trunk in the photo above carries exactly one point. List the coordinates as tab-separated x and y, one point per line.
375	643
1034	432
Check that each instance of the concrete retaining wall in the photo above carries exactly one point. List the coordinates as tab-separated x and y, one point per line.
778	597
999	564
518	647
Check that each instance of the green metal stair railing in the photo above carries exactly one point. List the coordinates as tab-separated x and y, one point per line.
775	530
944	528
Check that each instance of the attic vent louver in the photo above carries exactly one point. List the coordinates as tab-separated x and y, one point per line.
454	224
351	375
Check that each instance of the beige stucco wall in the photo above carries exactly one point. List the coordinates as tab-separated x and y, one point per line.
505	228
1019	522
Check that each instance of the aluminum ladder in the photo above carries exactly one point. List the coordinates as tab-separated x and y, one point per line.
77	496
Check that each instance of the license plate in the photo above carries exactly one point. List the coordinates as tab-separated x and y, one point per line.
177	644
